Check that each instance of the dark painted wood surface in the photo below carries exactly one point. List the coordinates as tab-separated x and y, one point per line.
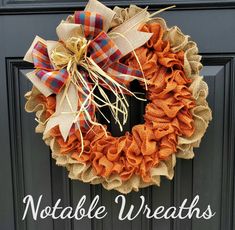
26	165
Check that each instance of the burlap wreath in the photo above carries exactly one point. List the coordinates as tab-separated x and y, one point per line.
176	116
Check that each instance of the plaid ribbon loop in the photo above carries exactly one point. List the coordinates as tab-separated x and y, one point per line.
103	51
53	79
92	23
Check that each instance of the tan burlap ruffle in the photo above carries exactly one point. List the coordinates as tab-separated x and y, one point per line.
201	114
123	14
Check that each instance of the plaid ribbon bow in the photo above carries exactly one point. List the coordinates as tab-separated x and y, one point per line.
102	50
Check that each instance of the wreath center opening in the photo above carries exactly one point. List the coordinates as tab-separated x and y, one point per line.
136	110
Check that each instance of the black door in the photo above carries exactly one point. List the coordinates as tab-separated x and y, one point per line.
26	166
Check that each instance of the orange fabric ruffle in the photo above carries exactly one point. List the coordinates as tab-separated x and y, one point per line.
168	113
167	116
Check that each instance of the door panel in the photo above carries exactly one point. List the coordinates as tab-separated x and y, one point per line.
26	164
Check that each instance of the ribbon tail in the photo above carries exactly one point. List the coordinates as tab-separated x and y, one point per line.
127	37
130	41
65	112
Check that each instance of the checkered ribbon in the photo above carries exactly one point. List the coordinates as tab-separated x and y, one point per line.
92	23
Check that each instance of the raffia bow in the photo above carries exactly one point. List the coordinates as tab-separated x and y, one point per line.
84	60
